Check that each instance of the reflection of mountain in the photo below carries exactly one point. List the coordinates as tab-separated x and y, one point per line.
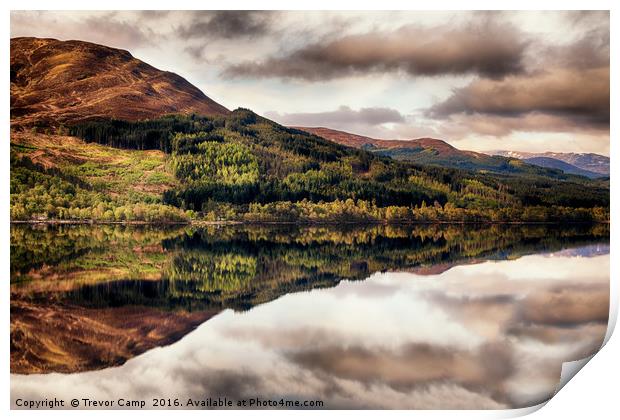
584	251
65	338
158	285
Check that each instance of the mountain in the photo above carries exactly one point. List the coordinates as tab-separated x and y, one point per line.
429	151
56	81
587	161
547	162
51	337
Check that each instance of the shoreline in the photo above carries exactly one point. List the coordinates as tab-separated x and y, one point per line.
299	222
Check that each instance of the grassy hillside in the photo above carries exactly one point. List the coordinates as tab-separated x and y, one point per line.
245	167
63	177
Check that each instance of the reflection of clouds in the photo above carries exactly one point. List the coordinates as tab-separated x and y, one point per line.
567	305
411	366
490	335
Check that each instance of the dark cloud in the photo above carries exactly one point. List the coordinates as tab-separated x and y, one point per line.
587	336
481	47
342	116
582	95
415	366
195	51
228	24
568	81
567	306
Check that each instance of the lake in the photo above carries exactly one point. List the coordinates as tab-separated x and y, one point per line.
431	316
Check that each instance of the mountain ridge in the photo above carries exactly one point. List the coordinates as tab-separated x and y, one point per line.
360	141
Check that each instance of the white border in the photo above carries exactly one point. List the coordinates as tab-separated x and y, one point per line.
592	394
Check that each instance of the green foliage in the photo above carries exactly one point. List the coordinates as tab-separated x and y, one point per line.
44	194
222	163
141	135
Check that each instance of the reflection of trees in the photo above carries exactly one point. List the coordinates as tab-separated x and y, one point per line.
210	272
68	248
242	266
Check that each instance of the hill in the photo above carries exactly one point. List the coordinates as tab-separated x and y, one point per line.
591	162
429	151
70	81
547	162
437	147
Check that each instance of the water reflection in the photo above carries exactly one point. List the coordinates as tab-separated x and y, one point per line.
417	317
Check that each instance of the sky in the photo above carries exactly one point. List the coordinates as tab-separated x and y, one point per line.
524	81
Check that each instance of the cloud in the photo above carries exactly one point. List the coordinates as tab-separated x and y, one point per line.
482	46
373	122
587	18
461	125
412	365
439	70
567	306
228	24
342	116
565	89
583	95
154	14
588	52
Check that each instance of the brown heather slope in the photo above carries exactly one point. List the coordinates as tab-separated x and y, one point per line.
70	81
357	141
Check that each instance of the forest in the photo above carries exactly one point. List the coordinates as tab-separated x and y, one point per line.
244	167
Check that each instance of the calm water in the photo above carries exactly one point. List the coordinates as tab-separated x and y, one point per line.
368	317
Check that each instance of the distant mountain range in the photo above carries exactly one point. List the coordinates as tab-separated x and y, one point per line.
547	162
429	151
589	162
